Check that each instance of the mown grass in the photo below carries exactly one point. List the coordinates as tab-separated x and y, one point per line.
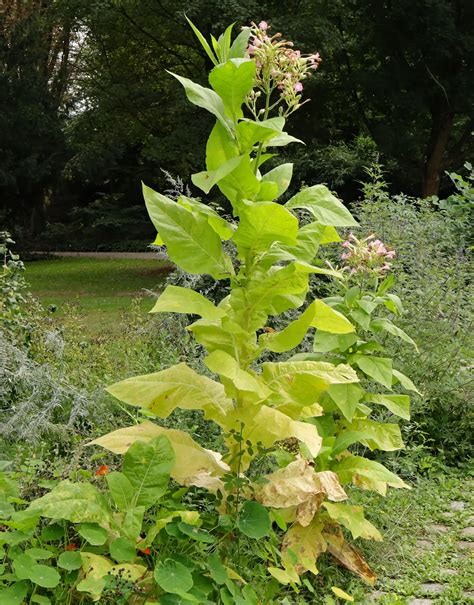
100	288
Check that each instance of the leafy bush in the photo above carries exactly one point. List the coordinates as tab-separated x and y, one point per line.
433	271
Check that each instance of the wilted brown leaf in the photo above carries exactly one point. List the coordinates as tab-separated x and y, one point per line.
348	556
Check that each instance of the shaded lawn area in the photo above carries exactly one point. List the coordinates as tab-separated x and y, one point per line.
101	288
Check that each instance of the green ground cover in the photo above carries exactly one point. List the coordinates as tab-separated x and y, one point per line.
101	288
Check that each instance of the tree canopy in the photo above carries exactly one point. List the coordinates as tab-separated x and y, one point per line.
88	108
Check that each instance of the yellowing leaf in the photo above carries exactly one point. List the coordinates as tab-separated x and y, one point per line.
341	594
297	384
304	543
284	576
228	368
175	299
194	464
267	425
384	436
177	386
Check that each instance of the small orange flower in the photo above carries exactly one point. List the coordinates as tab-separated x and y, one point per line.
145	551
71	546
102	470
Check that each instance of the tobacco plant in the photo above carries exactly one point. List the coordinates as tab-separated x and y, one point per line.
319	404
314	405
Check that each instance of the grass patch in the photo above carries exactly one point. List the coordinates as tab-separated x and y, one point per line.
100	288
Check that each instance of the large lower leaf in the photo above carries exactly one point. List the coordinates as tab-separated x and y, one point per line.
194	465
324	206
147	466
75	502
265	425
302	546
178	386
191	242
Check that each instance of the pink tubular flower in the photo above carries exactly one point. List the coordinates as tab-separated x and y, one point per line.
346	244
263	26
298	87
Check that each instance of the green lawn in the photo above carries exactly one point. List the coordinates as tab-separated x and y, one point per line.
101	288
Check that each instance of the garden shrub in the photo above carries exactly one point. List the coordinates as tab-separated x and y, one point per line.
289	427
433	276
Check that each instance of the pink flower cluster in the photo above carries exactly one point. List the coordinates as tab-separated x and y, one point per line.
369	255
279	66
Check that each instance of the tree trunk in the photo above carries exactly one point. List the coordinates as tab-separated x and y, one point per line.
442	122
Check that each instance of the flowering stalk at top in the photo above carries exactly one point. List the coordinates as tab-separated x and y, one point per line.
281	71
369	256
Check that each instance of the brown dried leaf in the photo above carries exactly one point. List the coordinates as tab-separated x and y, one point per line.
348	556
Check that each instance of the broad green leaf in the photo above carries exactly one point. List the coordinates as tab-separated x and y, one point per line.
405	381
93	533
223	229
308	240
206	179
282	139
253	520
42	575
378	368
121	490
14	594
147	466
190	240
75	502
233	81
367	474
228	368
281	175
178	386
172	576
193	464
384	436
346	397
317	315
122	550
397	404
189	517
324	206
385	324
217	571
70	560
175	299
39	553
195	533
325	342
40	599
262	224
132	522
205	98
